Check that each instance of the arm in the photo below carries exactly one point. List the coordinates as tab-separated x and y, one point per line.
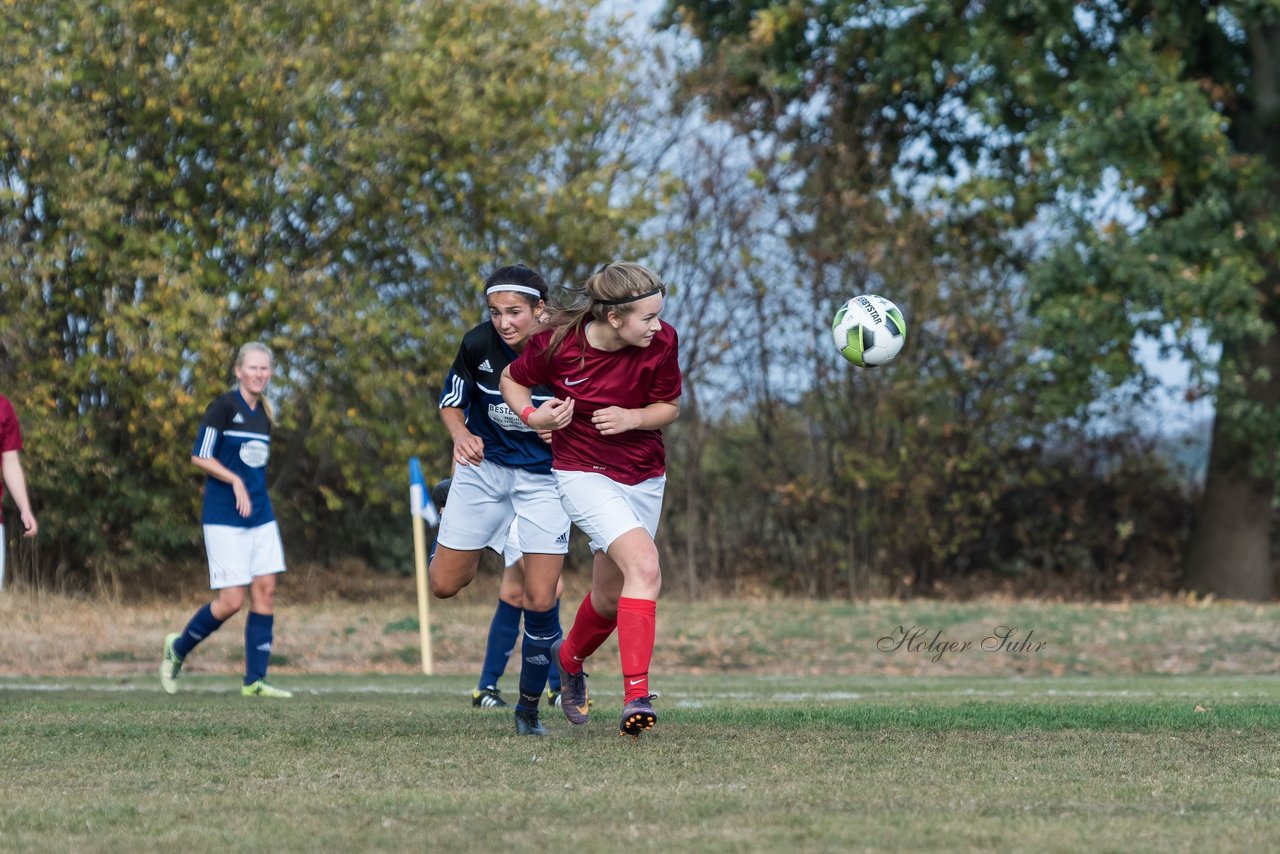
613	420
17	485
552	415
213	468
468	448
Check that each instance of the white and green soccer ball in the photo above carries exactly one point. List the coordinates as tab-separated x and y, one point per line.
869	330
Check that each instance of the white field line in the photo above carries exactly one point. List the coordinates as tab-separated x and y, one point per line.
684	699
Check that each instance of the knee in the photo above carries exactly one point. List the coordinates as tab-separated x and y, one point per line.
451	571
442	589
512	594
543	602
228	603
605	605
647	572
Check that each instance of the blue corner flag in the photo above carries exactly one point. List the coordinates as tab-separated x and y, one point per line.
420	503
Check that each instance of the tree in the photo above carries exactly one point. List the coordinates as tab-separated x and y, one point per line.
328	177
1131	149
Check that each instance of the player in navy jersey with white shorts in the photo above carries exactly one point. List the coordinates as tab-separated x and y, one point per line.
504	627
614	366
241	537
503	473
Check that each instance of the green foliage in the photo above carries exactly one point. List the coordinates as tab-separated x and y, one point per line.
1130	138
1115	164
330	179
1034	191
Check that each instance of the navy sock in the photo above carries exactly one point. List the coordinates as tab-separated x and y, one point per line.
541	630
503	631
201	626
553	673
257	646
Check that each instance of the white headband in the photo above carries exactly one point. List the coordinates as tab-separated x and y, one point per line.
520	289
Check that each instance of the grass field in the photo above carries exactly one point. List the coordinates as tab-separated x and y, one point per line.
1145	727
736	763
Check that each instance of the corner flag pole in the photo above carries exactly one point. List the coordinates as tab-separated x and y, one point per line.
421	507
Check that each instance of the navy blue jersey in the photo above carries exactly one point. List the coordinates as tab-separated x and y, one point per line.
240	439
472	386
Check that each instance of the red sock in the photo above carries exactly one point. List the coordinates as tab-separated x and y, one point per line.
637	619
588	632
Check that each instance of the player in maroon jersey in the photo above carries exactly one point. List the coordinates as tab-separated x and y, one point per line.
11	475
615	362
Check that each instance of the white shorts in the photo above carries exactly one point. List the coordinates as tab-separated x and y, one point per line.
239	555
511	550
485	500
605	509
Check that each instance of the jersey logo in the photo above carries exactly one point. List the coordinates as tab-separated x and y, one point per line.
254	454
563	538
238	419
568	381
486	367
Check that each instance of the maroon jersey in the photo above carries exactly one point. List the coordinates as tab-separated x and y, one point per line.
10	436
631	378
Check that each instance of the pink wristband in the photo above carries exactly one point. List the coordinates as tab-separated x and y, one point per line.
524	413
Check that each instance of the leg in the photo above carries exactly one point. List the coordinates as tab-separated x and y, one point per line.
597	616
553	673
636	556
511	588
451	570
541	624
590	629
203	623
504	630
262	595
209	618
637	559
541	631
259	630
607	582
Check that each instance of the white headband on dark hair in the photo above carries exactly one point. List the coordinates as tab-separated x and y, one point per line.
520	289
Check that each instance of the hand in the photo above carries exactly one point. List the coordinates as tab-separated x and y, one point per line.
613	420
244	505
29	524
468	449
552	415
545	435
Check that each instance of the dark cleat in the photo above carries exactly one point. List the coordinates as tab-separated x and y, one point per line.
637	716
487	698
527	722
573	690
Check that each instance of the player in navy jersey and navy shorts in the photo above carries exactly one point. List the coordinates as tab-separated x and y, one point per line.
241	537
503	473
614	367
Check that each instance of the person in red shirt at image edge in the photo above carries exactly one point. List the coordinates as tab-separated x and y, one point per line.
11	476
613	367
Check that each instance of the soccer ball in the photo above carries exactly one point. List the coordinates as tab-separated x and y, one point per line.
869	330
